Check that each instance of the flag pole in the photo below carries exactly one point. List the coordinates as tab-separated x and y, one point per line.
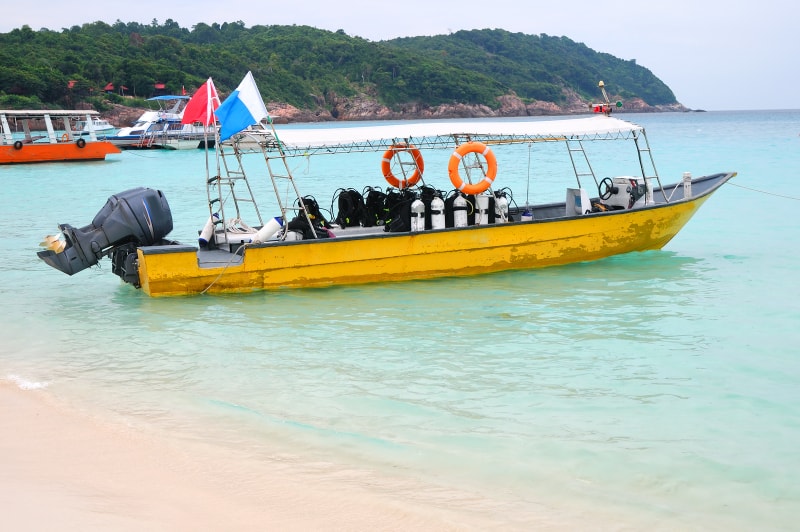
206	120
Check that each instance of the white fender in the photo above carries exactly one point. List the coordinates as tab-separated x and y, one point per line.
269	229
208	230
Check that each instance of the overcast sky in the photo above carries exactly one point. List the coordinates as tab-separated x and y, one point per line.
714	55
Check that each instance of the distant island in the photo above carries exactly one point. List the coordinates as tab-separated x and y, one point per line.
308	74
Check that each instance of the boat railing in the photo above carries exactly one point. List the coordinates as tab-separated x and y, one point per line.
52	134
580	161
146	140
647	163
291	203
229	186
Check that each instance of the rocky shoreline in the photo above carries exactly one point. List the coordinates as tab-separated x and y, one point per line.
366	107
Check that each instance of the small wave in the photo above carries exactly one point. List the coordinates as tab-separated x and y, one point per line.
25	384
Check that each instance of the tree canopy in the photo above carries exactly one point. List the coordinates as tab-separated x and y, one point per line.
305	66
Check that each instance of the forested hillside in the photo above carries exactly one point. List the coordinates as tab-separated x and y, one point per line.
538	66
306	67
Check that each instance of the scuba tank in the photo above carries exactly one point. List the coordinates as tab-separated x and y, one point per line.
500	207
482	209
460	211
437	212
417	215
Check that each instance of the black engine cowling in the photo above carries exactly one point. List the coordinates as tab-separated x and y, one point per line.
136	217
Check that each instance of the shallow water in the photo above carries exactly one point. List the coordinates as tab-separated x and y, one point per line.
653	390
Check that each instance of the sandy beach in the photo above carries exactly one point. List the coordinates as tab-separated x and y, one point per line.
64	470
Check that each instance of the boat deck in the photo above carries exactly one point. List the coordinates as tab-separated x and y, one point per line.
221	257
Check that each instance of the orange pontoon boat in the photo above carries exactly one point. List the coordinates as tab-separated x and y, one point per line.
20	143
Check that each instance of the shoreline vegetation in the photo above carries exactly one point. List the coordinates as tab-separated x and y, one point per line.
312	75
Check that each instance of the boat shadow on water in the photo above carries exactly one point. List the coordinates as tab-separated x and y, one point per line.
625	293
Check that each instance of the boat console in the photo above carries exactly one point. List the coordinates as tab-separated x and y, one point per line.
625	192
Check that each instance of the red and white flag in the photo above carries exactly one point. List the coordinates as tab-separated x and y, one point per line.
202	105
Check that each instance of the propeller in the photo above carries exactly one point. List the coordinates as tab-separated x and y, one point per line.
54	243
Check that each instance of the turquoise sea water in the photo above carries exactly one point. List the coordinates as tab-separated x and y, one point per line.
654	390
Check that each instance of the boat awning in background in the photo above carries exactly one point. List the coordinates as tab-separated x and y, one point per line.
168	97
34	114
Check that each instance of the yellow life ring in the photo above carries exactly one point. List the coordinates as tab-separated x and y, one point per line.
386	165
455	159
65	137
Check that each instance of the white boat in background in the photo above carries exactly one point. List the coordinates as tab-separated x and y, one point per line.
99	126
162	128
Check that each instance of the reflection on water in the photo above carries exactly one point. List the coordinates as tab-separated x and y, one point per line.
510	362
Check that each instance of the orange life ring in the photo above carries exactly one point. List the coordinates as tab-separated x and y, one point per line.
65	137
386	165
490	174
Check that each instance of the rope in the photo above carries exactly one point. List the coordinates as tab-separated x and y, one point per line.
224	269
138	153
528	184
763	191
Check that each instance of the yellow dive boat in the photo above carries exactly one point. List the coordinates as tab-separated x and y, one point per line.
410	230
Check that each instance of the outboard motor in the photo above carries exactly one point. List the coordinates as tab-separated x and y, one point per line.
136	217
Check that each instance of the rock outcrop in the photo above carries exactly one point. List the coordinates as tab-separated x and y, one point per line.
366	107
637	105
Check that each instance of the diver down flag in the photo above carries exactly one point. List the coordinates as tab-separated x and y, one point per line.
202	104
244	107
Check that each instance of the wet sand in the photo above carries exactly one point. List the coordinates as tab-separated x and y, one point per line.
65	470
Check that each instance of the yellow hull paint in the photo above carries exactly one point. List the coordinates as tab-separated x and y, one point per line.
424	255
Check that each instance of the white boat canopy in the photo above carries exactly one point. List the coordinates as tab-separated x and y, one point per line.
34	114
444	133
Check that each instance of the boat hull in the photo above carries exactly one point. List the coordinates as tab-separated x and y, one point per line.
189	143
159	142
176	270
63	151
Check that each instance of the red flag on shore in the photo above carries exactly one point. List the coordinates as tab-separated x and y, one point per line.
202	105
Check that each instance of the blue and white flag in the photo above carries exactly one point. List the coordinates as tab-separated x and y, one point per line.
244	107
